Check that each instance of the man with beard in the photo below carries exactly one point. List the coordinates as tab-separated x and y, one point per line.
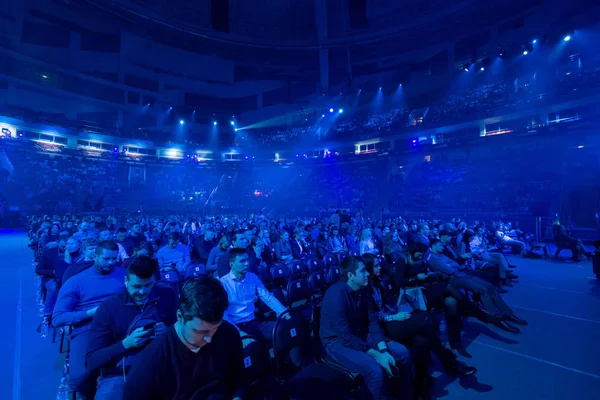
78	300
125	323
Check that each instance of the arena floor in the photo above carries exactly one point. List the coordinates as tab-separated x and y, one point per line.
555	358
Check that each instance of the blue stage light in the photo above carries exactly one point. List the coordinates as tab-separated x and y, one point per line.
181	122
525	52
567	38
331	110
341	110
215	123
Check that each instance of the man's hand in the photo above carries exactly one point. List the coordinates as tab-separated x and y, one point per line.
381	360
401	316
158	330
390	358
422	277
138	338
67	257
90	313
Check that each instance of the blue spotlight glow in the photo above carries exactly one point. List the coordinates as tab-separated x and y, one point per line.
534	41
323	116
567	38
331	110
482	68
236	129
341	110
215	123
525	52
466	69
232	123
181	122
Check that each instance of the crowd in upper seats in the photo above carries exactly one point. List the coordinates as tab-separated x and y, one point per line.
479	101
194	286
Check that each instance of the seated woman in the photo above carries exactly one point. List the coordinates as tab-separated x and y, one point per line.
415	329
392	246
367	243
336	243
216	253
283	249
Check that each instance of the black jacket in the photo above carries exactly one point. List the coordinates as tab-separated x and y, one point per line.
112	320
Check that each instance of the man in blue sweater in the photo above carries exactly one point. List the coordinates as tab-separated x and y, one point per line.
78	300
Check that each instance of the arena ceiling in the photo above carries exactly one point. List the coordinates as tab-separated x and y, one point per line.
284	39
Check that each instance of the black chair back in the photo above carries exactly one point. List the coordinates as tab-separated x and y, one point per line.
298	290
292	331
298	269
317	281
280	273
329	260
314	264
333	274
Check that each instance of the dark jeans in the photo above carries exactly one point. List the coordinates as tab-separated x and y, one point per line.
419	333
360	362
110	388
493	303
259	329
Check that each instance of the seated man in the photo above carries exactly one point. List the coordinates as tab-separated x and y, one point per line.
242	289
239	242
78	300
200	357
46	268
461	278
174	254
352	336
88	250
120	328
104	235
503	235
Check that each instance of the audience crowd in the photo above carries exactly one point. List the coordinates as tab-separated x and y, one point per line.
242	306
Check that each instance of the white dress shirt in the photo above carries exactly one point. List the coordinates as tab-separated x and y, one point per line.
242	293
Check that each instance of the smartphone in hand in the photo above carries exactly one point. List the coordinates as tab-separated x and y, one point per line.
149	327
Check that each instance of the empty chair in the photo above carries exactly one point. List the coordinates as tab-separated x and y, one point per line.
280	274
333	274
303	377
317	282
330	259
258	375
194	270
314	264
298	269
298	291
171	276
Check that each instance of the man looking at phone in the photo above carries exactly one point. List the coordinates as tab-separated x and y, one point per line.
125	323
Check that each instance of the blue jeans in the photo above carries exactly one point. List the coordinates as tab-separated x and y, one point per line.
360	362
77	372
51	287
110	388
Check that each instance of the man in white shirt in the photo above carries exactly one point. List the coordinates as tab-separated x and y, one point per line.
174	253
242	289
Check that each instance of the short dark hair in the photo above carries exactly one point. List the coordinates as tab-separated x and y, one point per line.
109	245
204	298
122	230
369	260
142	266
146	246
174	236
236	252
434	241
88	242
349	264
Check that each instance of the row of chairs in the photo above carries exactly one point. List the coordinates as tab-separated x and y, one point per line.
312	376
